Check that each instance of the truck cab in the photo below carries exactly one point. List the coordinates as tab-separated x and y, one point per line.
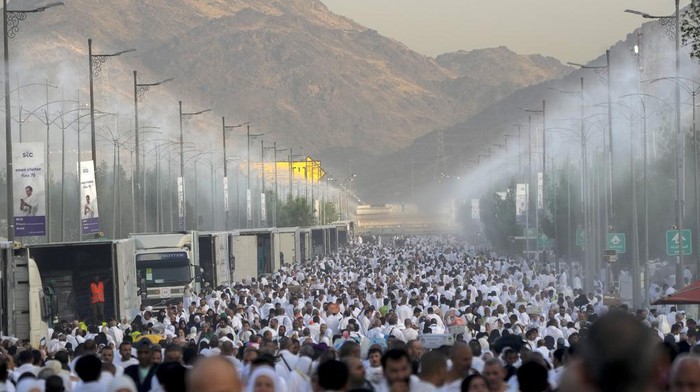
165	264
27	307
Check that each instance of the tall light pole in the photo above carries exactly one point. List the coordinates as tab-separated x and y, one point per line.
693	91
274	214
263	212
608	210
544	160
10	24
95	62
139	93
225	128
587	260
636	275
182	224
249	197
674	22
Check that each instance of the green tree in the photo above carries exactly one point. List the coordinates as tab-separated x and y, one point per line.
329	212
690	29
295	212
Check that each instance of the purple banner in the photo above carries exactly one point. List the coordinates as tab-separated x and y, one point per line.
26	226
91	225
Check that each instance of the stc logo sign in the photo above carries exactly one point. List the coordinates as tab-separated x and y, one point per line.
27	154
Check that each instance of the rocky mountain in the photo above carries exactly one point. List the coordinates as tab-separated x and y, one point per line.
455	150
316	79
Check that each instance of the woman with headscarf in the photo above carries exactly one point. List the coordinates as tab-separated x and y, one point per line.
300	379
193	334
264	379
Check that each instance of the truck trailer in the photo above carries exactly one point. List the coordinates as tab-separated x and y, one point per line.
68	268
253	251
48	283
216	258
287	241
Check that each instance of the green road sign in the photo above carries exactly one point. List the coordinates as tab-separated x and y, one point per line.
617	242
530	233
673	243
581	239
544	242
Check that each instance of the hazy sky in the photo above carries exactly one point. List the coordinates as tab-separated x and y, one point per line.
570	30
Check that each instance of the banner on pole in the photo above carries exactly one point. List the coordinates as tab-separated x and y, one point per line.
521	193
248	206
540	191
180	204
317	208
89	215
263	210
475	209
226	194
29	189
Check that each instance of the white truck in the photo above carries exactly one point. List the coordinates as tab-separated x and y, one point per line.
253	251
165	264
319	241
345	232
287	242
47	283
24	306
216	258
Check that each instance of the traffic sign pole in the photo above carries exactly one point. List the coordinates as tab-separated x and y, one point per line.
679	242
617	242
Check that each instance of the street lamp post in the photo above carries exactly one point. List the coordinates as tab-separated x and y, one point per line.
95	62
135	175
249	198
182	224
608	210
587	260
292	157
139	93
263	212
225	128
11	21
544	160
693	91
673	21
161	149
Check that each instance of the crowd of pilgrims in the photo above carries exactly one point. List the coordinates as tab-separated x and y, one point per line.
420	314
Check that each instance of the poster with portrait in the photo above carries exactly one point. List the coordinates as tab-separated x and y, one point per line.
29	189
89	214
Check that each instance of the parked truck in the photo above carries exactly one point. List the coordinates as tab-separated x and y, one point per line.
253	251
305	249
318	241
345	232
216	258
287	241
165	264
48	283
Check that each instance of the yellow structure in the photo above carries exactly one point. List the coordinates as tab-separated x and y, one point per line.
306	170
